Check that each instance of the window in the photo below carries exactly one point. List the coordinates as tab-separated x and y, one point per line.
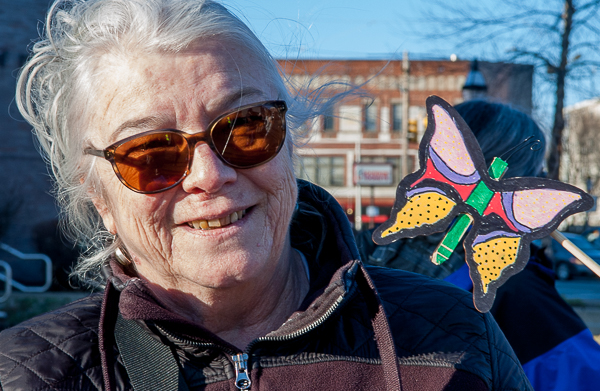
328	120
396	117
370	116
323	170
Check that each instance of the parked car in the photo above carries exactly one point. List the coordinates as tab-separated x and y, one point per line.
567	265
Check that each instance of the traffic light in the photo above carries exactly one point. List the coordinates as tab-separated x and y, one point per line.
412	130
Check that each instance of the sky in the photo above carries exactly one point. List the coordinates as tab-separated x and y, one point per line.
336	28
373	29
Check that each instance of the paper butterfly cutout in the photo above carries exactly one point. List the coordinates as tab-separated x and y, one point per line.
504	216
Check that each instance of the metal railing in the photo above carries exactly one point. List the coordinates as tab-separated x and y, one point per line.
7	284
7	276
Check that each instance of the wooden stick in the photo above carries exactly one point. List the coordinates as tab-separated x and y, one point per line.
576	251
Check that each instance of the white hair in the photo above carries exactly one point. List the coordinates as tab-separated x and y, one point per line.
57	84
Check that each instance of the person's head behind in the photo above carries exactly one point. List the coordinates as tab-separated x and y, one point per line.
88	44
498	129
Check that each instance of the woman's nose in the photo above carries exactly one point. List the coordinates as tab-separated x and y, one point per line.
208	173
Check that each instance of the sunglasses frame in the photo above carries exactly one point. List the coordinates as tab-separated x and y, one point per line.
192	139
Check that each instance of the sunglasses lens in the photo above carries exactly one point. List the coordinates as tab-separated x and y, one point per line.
152	162
250	137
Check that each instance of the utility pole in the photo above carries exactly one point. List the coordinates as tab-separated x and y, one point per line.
357	188
405	103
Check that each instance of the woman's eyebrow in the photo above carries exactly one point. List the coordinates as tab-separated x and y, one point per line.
141	123
154	121
242	93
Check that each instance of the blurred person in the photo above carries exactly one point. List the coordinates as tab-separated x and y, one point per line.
553	344
170	133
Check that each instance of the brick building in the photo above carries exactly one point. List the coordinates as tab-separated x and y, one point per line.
371	126
580	160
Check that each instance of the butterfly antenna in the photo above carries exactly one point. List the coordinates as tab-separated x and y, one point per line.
531	142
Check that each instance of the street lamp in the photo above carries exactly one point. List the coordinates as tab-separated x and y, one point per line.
475	87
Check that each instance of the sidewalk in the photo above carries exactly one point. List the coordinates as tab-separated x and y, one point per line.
22	306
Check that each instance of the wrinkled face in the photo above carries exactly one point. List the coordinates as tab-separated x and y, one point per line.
163	232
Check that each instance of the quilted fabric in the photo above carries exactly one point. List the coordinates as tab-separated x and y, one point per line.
55	351
431	317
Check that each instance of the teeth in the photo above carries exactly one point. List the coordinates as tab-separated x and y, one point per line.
225	220
217	223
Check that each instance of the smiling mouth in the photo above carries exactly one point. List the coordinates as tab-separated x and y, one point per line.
217	223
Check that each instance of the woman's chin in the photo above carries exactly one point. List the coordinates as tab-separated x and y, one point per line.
225	266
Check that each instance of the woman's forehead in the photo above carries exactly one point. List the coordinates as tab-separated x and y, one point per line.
205	63
199	82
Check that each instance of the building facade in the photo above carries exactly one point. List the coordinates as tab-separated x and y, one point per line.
25	200
580	159
367	129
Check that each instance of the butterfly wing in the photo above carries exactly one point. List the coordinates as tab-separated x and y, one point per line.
529	209
493	258
536	209
447	153
449	159
535	205
425	209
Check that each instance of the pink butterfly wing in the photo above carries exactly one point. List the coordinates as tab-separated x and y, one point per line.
536	208
532	209
449	144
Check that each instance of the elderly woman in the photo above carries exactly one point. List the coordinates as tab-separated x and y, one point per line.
164	122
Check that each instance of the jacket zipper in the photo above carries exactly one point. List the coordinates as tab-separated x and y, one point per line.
242	380
240	360
306	329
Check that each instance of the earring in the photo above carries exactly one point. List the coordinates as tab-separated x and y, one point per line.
123	257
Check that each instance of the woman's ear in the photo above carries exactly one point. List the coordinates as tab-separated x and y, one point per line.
102	208
105	213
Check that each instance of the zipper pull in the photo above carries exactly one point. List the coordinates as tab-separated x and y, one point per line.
242	380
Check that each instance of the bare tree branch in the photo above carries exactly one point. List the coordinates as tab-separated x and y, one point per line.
591	6
586	45
560	38
540	56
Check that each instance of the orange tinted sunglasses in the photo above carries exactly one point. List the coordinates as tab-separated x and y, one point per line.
159	160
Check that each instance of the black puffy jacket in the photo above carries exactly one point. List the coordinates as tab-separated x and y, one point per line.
338	340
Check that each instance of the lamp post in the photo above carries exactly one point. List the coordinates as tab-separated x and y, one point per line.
475	86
